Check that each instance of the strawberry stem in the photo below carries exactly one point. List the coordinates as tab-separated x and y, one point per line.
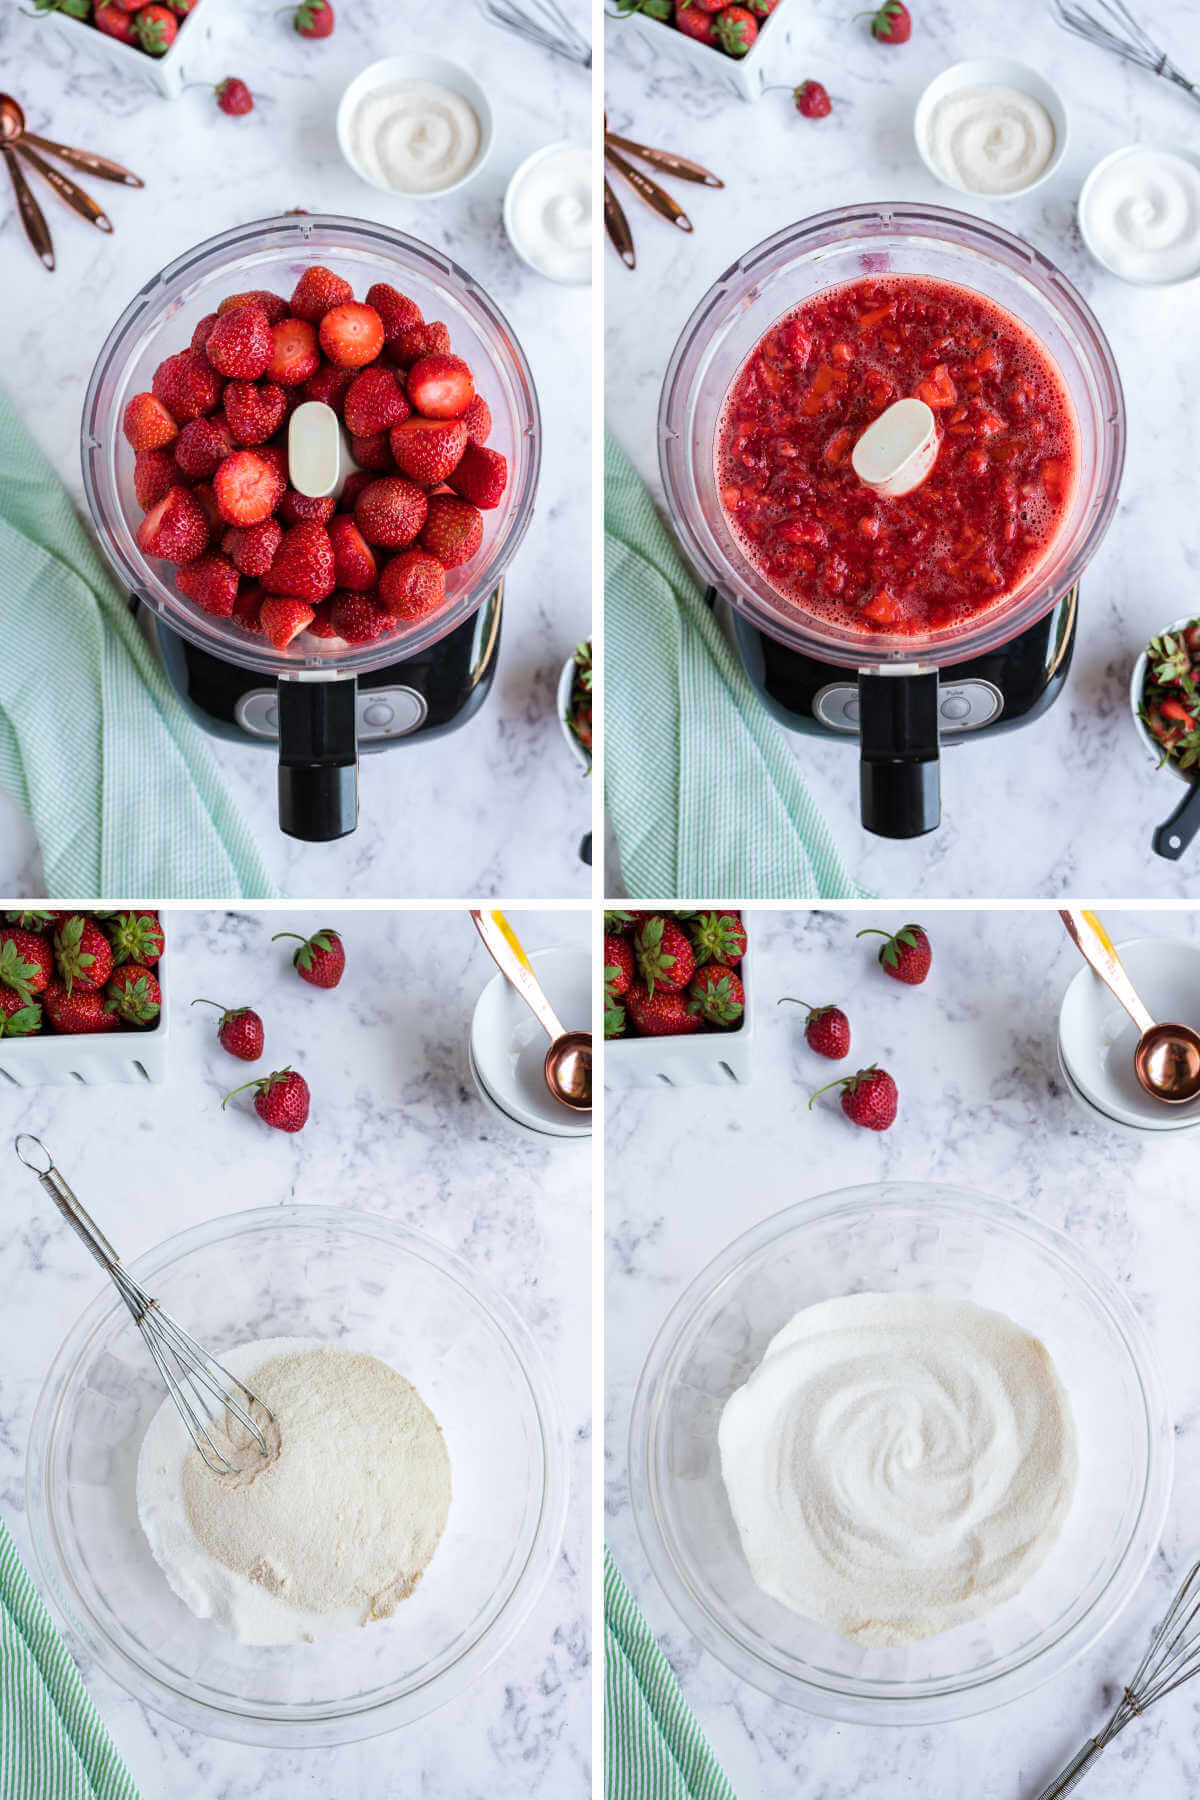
215	1003
872	931
788	1001
288	934
842	1081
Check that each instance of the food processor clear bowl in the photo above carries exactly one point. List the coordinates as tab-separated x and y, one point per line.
847	245
272	254
355	1280
910	1238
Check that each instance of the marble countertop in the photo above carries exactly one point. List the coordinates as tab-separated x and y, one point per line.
981	1105
1019	812
396	1128
496	808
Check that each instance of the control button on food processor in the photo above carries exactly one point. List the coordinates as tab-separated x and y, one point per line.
837	706
390	712
956	706
257	713
970	704
378	713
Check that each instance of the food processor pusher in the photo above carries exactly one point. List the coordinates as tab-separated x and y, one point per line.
194	1378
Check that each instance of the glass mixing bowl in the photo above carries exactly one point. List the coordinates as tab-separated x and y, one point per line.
846	245
272	253
912	1238
354	1279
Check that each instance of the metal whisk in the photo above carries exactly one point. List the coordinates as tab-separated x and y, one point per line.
195	1380
541	22
1110	25
1172	1659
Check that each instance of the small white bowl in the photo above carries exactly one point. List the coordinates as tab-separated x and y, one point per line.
990	71
566	681
416	66
520	176
1097	1037
1106	162
508	1046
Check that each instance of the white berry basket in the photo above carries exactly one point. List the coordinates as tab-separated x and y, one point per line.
742	76
186	61
709	1059
126	1055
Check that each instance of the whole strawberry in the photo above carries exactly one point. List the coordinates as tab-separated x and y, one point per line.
82	952
19	1016
312	19
133	994
718	937
826	1029
616	924
891	24
906	955
614	1015
78	1012
31	921
736	30
869	1098
26	960
239	1031
281	1099
716	994
321	959
812	101
660	1015
135	937
664	955
234	97
618	964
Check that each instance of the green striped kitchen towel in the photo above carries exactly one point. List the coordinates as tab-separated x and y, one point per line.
706	799
52	1743
94	744
653	1747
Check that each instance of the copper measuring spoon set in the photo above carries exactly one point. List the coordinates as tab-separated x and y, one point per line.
20	145
617	154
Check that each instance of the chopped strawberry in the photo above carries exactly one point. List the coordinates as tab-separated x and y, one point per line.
201	447
938	388
252	547
428	450
882	608
354	564
154	472
440	386
253	411
188	386
294	353
317	290
147	424
176	529
247	606
352	487
391	512
412	585
358	618
374	402
428	339
240	344
303	565
274	305
478	421
321	625
203	494
397	313
453	530
211	582
374	452
481	476
283	619
351	335
203	332
248	487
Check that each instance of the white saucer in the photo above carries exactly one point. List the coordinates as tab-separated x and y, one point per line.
1097	1037
508	1046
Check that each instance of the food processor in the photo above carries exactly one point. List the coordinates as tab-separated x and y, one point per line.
320	700
900	696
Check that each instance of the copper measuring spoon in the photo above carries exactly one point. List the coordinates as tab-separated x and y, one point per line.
12	127
655	197
680	166
12	121
568	1065
1167	1058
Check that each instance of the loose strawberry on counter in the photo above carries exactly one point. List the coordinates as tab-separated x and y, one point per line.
869	1099
210	441
891	23
826	1029
239	1030
321	958
281	1099
905	955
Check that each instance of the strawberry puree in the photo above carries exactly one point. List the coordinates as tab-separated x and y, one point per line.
984	518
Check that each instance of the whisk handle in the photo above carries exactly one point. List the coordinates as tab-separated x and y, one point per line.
72	1209
1074	1772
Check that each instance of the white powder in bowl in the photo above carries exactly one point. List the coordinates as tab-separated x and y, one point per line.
334	1529
897	1465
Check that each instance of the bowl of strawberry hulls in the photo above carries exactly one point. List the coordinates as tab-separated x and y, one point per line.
81	997
1164	694
676	1007
310	448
